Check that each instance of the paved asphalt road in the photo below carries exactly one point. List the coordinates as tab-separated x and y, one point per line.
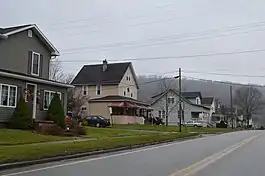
233	154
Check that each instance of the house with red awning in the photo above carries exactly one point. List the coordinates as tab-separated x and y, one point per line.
111	91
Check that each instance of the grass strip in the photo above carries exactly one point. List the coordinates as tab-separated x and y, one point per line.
33	152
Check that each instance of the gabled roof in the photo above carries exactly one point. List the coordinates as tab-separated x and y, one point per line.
191	95
160	95
6	32
207	100
93	74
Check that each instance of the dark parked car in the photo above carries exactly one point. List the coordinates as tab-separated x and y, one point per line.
155	120
96	121
222	124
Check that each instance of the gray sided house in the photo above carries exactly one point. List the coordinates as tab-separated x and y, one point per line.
192	111
25	55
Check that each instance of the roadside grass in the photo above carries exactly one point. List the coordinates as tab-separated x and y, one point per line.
174	128
111	132
31	152
16	137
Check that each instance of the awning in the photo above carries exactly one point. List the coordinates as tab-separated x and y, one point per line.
122	105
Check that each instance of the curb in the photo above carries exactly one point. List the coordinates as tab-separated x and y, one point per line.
59	158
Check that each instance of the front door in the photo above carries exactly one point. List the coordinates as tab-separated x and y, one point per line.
31	98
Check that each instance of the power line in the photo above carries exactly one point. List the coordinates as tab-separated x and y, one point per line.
223	82
225	74
174	57
135	45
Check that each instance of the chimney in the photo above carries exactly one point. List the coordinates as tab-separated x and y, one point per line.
105	65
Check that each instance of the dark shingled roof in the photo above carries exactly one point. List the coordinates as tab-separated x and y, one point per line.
191	95
93	74
10	29
207	100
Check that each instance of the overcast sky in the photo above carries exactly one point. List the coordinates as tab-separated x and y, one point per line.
91	30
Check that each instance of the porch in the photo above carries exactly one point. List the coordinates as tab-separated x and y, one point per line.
128	113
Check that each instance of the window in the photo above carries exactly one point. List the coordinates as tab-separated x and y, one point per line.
35	65
83	108
198	100
124	93
30	33
48	96
129	78
171	100
128	89
8	95
98	89
131	94
163	114
84	90
159	114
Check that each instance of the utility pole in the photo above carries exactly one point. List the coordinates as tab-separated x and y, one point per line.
231	108
180	108
166	109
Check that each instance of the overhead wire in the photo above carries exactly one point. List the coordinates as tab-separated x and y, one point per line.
173	57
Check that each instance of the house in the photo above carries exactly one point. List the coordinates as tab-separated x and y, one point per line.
168	102
111	91
210	103
25	55
194	97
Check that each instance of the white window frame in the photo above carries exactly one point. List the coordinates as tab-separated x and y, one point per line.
100	89
84	88
8	96
32	61
50	93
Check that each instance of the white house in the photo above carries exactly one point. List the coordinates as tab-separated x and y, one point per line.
210	103
168	102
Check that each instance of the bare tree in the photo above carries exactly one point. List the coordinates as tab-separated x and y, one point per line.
250	100
57	73
167	107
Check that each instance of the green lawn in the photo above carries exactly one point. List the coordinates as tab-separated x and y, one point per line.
173	128
30	152
15	137
111	132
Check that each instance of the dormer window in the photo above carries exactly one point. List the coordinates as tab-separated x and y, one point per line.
35	64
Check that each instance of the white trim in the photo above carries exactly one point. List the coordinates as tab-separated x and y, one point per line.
100	88
50	92
37	80
8	95
32	61
55	52
34	108
3	36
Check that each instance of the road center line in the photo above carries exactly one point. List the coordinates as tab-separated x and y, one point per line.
211	159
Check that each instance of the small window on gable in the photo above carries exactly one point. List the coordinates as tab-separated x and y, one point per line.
128	89
30	33
129	78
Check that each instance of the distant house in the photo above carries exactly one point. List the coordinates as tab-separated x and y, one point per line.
25	55
210	103
170	99
111	91
194	97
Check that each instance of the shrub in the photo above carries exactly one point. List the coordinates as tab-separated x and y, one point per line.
50	129
56	112
22	116
76	129
84	123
